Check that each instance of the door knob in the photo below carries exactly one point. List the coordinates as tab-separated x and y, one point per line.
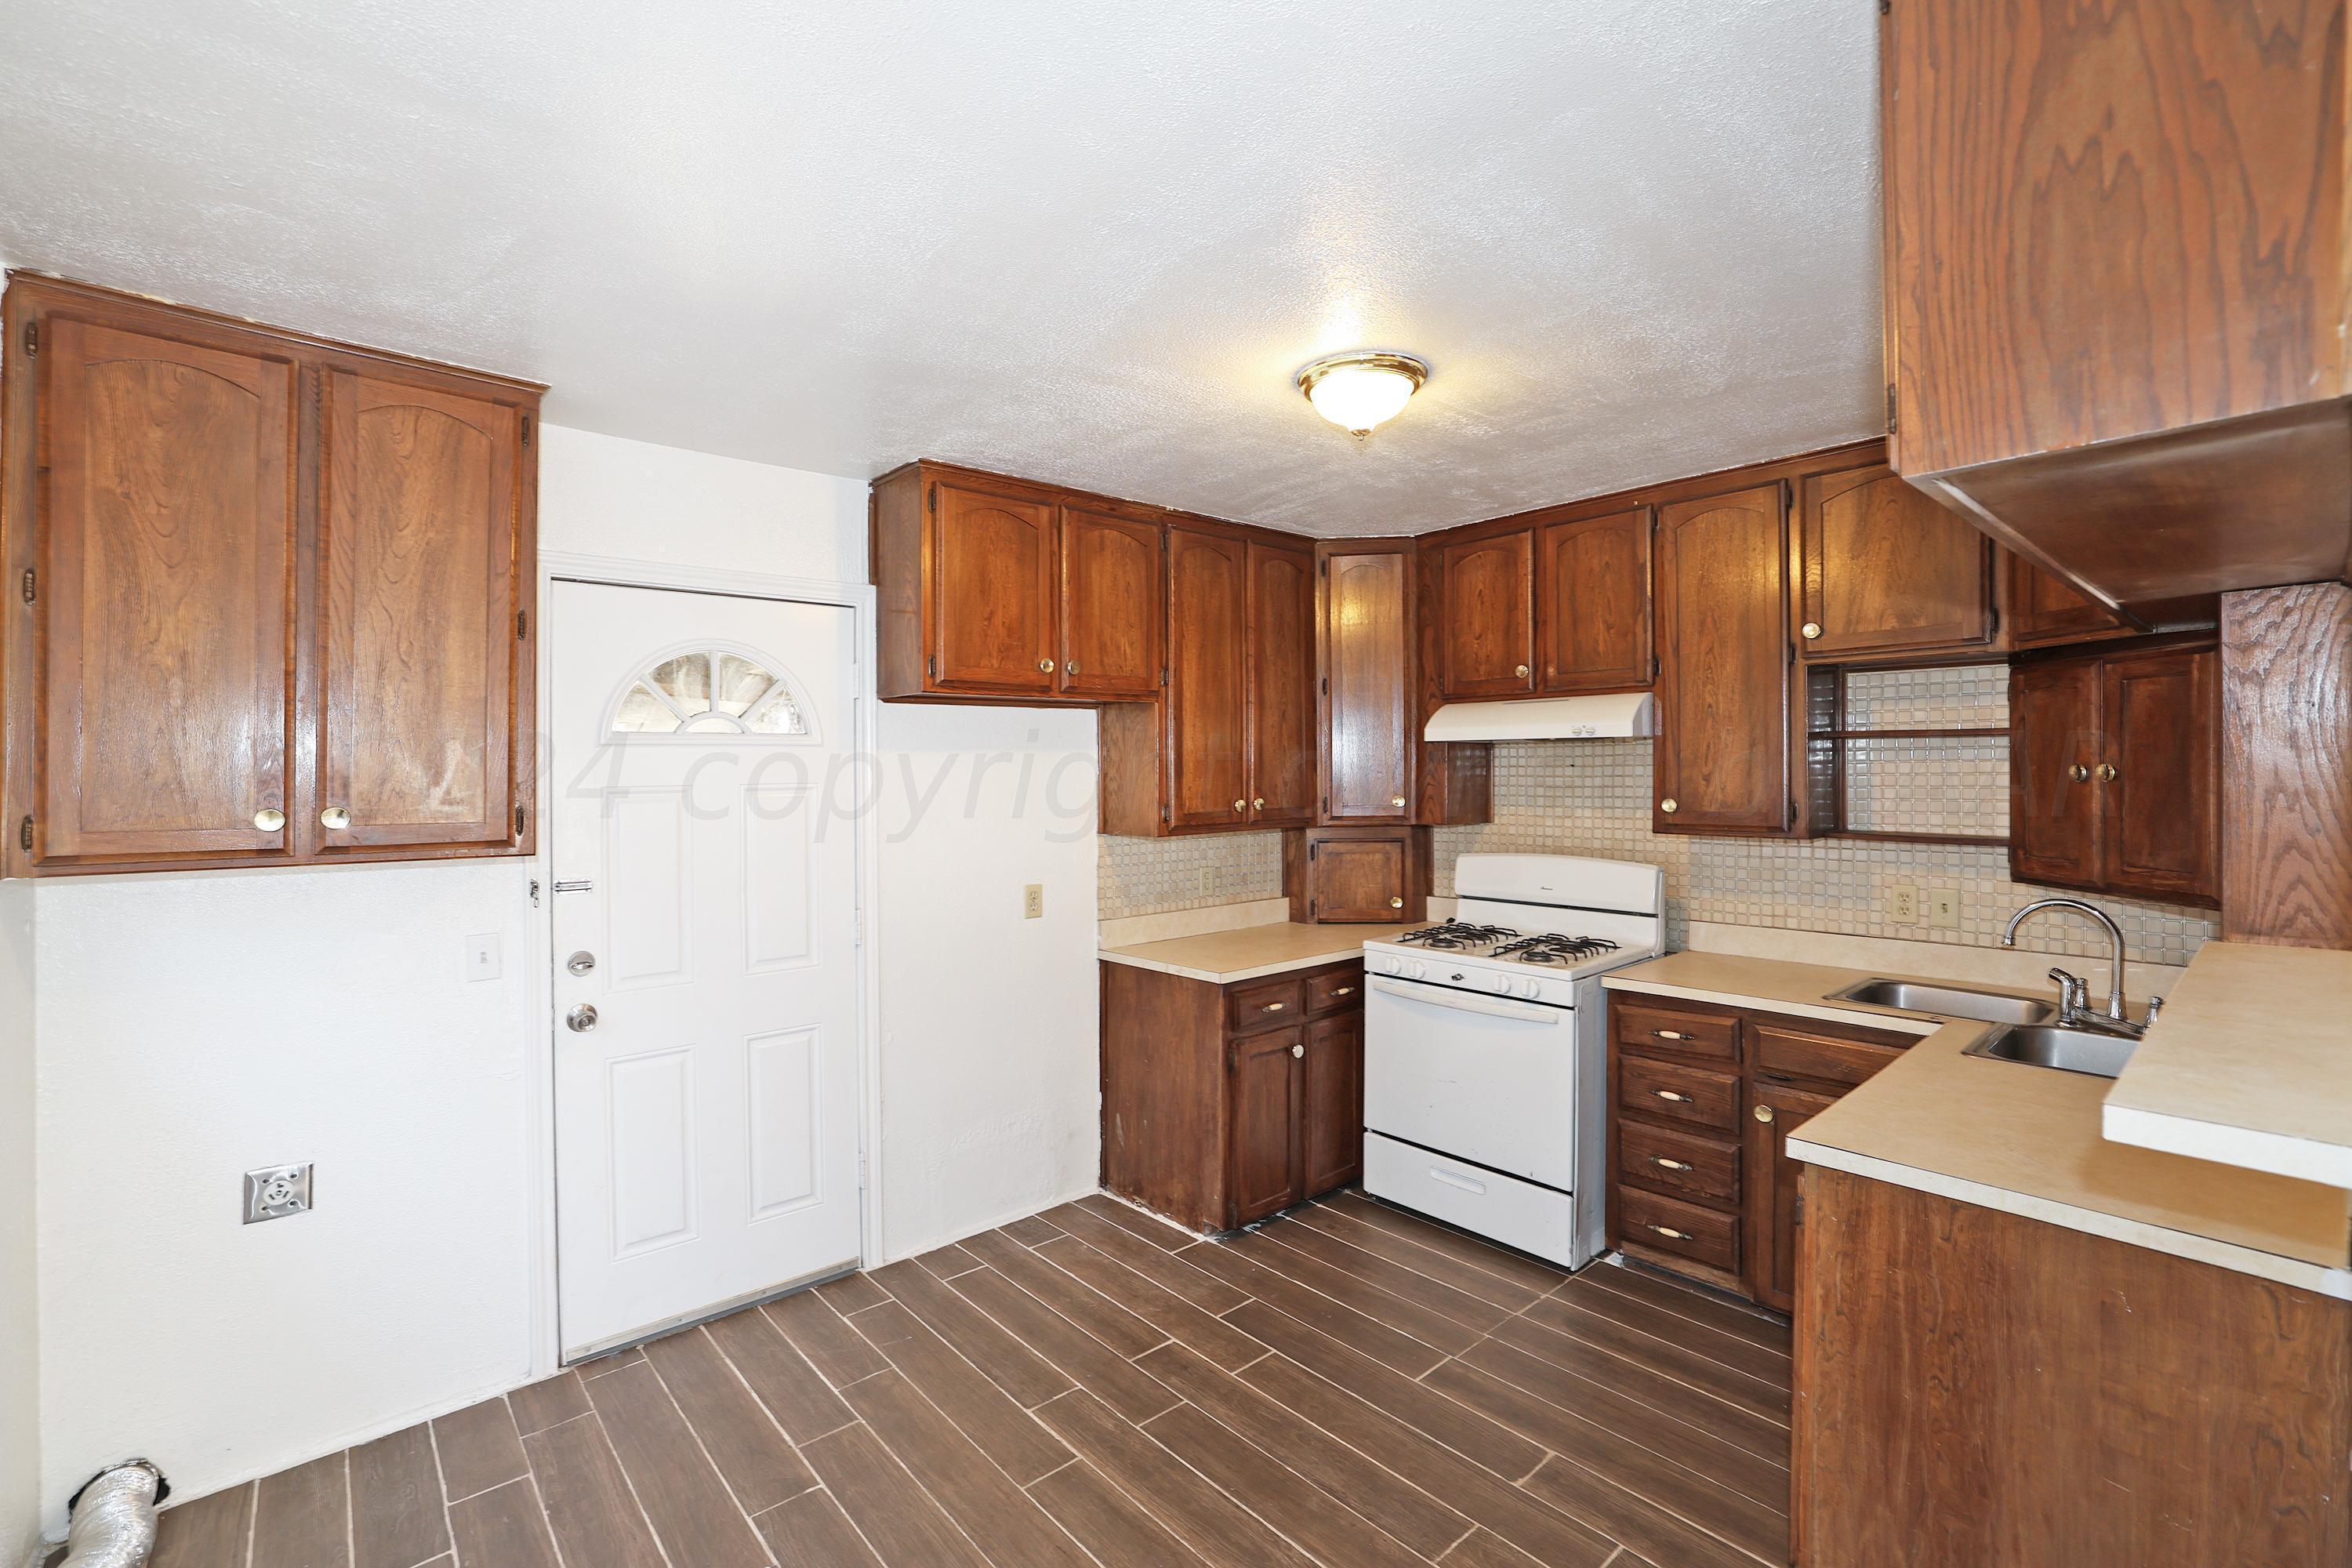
2078	773
1763	1113
580	963
335	818
2106	773
580	1020
269	819
1298	1050
1396	903
1670	806
1811	629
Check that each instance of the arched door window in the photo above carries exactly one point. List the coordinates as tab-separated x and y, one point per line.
703	691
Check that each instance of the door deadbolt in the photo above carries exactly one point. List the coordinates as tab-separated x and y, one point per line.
580	1020
580	963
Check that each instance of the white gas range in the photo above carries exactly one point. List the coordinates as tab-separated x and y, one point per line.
1485	1056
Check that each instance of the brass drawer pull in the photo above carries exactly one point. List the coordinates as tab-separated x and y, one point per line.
1344	990
1273	1006
1670	1034
1670	1230
1670	1094
1671	1164
1763	1113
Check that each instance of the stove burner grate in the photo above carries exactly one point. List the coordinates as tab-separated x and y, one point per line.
1455	935
1560	951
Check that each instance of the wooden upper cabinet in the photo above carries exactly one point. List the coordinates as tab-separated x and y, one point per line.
992	592
2044	611
1725	757
2115	772
1111	606
236	619
1207	706
419	513
1886	572
1592	595
1367	630
1486	620
1282	751
164	592
2117	257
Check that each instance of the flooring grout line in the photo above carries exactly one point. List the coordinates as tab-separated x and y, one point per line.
703	1446
441	1485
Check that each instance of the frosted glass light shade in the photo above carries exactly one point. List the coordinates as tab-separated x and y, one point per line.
1360	392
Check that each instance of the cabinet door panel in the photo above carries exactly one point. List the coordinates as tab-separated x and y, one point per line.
1111	606
163	601
2161	820
992	592
1263	1121
419	510
1723	751
1772	1176
1208	638
2053	811
1593	603
1365	633
1281	686
2044	611
1888	571
1358	880
1485	628
1332	1111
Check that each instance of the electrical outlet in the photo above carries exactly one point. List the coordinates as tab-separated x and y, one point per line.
482	961
276	1191
1033	902
1903	904
1207	882
1944	906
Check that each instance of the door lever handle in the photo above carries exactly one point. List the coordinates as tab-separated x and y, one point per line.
581	885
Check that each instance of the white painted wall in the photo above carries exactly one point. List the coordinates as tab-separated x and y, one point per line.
191	1026
20	1448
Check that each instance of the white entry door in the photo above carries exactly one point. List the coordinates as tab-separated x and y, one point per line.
705	969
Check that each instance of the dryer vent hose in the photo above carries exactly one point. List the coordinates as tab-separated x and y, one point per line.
113	1517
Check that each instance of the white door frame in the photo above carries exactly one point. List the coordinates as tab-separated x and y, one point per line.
546	1344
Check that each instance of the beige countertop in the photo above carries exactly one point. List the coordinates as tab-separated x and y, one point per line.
2250	1064
2026	1140
1222	957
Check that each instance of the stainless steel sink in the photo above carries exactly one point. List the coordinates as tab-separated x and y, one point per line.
2048	1046
1949	1001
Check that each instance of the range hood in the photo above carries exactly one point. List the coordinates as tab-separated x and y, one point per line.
1610	717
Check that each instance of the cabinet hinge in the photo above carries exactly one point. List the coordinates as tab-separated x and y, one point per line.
1326	686
521	817
29	584
1886	7
935	501
32	339
1326	566
522	625
1890	385
1164	675
1327	809
1311	848
526	429
931	667
24	835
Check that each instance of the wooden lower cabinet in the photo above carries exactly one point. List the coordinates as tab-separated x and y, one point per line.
1704	1099
1224	1104
1974	1389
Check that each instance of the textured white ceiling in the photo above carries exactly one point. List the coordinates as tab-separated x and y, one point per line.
1086	242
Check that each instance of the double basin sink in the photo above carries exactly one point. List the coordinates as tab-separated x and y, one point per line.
2028	1036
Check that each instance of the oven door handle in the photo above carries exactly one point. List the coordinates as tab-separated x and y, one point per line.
1464	1002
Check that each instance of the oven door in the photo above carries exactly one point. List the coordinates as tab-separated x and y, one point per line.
1484	1079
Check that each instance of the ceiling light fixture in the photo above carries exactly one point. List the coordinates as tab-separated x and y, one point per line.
1360	391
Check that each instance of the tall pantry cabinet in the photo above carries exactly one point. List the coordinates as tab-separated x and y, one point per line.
268	596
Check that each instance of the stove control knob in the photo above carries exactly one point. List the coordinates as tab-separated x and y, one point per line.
1500	984
1530	988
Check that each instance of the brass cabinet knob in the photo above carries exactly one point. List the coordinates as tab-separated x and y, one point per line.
1046	665
1071	667
269	819
1763	1113
1396	903
1670	1094
1670	1230
1298	1050
580	1020
1398	801
1672	1164
1241	805
1522	672
2078	773
1811	629
1670	806
1258	804
2107	772
335	818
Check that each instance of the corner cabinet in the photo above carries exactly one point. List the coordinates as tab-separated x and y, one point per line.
1223	1104
272	594
1885	574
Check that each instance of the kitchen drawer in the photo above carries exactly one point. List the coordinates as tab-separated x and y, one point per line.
1700	1169
1677	1093
1332	990
1669	1224
1785	1052
1264	1003
1650	1028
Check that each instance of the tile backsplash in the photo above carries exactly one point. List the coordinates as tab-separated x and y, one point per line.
1592	797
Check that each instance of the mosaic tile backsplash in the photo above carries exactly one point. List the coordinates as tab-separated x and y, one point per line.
1592	797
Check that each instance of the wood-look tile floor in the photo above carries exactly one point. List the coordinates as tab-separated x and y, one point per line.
1349	1386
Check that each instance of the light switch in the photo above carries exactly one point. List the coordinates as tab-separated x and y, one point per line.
1944	906
482	956
1033	902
